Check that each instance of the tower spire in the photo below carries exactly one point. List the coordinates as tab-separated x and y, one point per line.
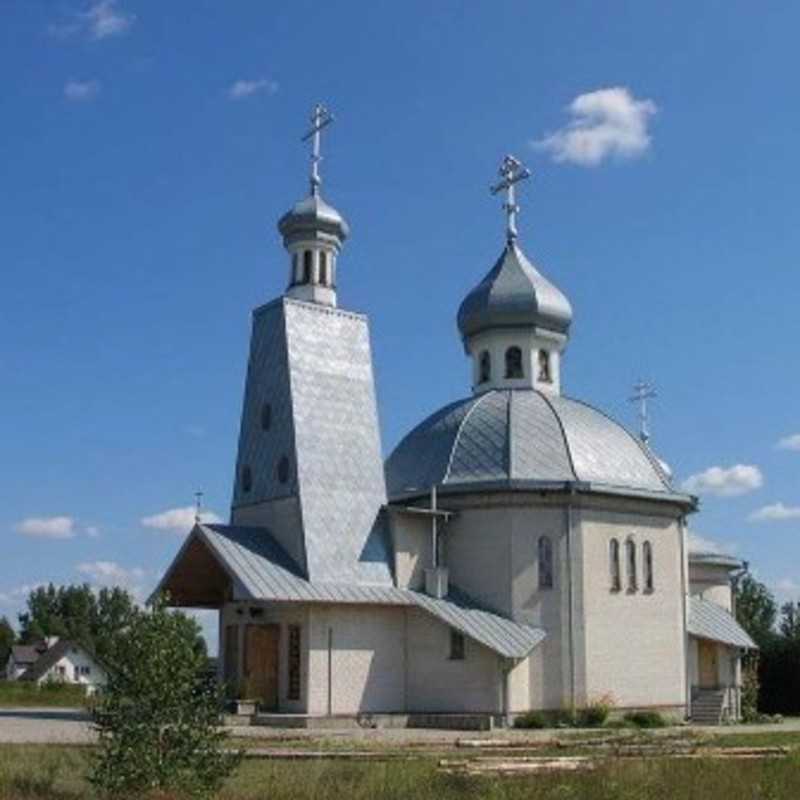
642	392
512	171
320	118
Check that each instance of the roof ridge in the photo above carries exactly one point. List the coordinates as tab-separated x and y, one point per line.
476	402
567	446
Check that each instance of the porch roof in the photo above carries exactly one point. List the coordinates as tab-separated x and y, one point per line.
709	620
252	566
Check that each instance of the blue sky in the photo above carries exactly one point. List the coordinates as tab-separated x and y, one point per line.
148	148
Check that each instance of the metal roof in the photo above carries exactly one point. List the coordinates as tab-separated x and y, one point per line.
260	569
714	560
709	620
514	293
522	435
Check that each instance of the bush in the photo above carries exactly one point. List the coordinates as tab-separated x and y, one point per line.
531	720
596	713
646	719
158	716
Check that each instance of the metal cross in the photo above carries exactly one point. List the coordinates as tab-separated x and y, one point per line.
512	171
320	119
198	505
642	392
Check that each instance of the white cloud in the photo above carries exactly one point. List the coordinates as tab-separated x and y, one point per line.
790	442
47	527
81	91
242	89
92	531
102	19
178	520
701	544
777	512
725	482
110	573
13	597
605	123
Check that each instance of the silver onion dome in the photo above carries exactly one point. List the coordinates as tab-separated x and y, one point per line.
313	219
514	294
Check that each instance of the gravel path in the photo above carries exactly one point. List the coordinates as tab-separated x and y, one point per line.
72	726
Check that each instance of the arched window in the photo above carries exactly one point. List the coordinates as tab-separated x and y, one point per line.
514	363
545	375
545	562
247	479
647	557
613	565
323	268
308	266
630	556
295	268
266	417
485	367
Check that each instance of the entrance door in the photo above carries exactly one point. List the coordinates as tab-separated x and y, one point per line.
707	653
261	663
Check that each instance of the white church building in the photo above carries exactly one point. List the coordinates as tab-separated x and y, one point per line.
518	550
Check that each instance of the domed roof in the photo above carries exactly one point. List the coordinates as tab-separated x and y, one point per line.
519	437
311	217
514	293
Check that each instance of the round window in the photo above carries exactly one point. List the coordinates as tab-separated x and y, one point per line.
283	469
247	479
266	416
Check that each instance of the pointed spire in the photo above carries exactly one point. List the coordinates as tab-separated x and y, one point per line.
512	171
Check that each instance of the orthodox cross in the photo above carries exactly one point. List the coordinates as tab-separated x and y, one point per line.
642	392
320	119
198	505
512	171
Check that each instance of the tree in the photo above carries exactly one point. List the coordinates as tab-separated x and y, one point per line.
789	625
756	610
158	716
7	640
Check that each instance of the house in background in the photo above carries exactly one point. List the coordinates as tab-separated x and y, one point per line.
55	660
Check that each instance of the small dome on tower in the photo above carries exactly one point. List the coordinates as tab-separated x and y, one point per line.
514	294
313	218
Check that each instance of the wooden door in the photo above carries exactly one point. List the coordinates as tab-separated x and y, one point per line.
261	663
709	664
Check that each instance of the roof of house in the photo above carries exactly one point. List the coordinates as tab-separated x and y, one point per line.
26	653
260	569
50	658
709	620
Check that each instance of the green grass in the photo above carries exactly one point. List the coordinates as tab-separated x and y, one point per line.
55	773
15	694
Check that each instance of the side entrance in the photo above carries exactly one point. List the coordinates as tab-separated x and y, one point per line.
261	660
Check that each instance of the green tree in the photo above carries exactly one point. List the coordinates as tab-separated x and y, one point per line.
8	639
756	610
789	625
159	714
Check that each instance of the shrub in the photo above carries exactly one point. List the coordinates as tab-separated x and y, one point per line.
595	713
531	720
158	715
645	719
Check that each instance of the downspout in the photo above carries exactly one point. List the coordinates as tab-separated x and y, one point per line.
570	598
330	672
684	597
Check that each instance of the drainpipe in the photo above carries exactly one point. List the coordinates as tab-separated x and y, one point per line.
330	672
684	597
570	597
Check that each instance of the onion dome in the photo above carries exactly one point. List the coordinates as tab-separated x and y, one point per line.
514	294
312	219
522	439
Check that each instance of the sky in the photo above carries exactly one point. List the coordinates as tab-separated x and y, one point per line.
148	149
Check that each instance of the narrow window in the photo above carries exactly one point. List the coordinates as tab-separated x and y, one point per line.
295	268
514	363
613	565
308	258
647	553
630	549
247	479
293	692
323	268
266	417
485	367
545	375
456	645
283	469
545	562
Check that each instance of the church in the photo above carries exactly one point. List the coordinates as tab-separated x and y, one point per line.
518	550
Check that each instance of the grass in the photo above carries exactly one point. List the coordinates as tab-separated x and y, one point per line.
55	773
16	694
